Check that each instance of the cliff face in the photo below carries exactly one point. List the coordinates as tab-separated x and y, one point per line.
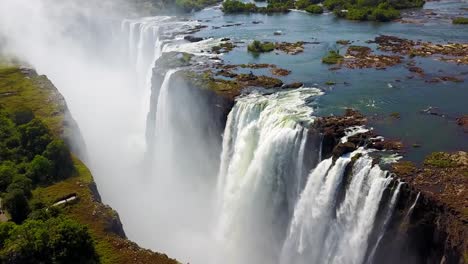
24	88
430	220
430	223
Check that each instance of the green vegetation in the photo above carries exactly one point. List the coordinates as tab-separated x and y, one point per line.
404	168
439	159
189	5
55	240
32	155
31	109
460	20
333	57
382	12
314	9
377	10
274	6
257	46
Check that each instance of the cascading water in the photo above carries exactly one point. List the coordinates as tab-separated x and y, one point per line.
267	215
269	210
263	148
326	230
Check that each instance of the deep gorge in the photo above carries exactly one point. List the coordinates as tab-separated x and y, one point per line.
209	168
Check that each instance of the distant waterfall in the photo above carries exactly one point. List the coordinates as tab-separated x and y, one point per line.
323	231
261	171
143	49
164	144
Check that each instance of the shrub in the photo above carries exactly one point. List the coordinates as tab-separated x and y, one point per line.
439	159
16	204
257	46
333	4
234	6
333	57
302	4
21	182
56	240
59	155
189	5
23	116
357	14
40	169
384	13
34	137
460	20
7	172
314	9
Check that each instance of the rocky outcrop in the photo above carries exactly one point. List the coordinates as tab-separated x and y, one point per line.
430	222
333	129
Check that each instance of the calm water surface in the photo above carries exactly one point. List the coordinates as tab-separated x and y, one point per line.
376	93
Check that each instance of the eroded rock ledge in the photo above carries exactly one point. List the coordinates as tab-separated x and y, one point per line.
430	220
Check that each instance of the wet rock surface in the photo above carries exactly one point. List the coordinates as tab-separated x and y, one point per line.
430	223
451	52
362	57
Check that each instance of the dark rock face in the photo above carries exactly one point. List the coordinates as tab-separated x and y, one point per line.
463	122
114	224
333	129
193	39
429	224
343	148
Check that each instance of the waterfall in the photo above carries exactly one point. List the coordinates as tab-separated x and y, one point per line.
144	48
324	230
383	228
164	143
263	143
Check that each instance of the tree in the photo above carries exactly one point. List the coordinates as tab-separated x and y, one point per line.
22	183
16	204
23	116
7	172
34	137
59	154
40	170
56	240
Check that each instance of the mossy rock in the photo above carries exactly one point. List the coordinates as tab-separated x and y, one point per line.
257	46
440	159
333	57
404	168
460	20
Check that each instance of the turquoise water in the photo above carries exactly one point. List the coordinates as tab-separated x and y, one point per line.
377	93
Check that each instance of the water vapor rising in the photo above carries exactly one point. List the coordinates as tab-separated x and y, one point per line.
85	49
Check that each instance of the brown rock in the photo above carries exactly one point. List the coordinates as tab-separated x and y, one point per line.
280	72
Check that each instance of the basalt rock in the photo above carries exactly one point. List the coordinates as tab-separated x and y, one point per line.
430	221
463	122
333	128
451	52
192	39
293	85
290	48
362	57
280	72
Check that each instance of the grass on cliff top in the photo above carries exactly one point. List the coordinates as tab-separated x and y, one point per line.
19	91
